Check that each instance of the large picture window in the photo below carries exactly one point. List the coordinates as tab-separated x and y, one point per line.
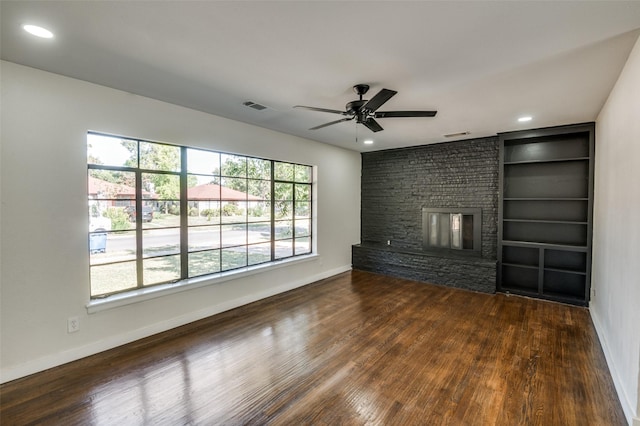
162	213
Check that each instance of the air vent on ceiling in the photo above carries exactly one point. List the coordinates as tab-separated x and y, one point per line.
254	105
453	135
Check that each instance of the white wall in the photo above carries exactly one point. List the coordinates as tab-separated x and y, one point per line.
615	307
45	263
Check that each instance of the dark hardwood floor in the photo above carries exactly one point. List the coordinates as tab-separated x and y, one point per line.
354	349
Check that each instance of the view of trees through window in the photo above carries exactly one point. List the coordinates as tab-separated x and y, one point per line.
161	213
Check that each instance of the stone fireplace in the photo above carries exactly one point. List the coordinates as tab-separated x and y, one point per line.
430	213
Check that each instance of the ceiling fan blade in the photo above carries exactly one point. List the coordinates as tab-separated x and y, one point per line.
390	114
331	123
380	98
332	111
372	125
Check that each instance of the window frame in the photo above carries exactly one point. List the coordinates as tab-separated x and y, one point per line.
184	227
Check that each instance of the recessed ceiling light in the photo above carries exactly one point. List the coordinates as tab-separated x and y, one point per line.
368	142
38	31
525	118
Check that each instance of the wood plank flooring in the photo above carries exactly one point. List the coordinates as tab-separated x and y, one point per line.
354	349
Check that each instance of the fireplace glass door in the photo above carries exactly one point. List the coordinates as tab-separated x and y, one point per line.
452	230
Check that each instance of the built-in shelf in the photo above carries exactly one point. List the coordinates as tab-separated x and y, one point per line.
545	213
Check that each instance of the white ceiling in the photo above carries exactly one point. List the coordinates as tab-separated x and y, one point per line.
481	64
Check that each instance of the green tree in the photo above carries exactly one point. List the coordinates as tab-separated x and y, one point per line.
257	171
156	157
114	176
258	174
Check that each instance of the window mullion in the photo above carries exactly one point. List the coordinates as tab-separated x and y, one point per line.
273	211
138	221
184	216
293	218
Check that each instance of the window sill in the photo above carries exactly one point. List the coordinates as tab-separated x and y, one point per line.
148	293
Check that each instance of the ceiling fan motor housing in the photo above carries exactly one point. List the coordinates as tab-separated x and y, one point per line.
353	107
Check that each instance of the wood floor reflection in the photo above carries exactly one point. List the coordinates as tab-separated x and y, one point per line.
354	349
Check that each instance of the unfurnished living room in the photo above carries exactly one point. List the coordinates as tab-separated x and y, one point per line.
320	212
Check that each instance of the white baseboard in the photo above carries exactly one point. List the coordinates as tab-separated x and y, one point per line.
54	360
627	406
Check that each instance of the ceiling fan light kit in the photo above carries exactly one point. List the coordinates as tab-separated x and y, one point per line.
366	111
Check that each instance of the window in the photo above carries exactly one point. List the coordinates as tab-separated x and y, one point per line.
161	213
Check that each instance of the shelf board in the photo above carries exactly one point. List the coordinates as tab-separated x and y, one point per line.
532	244
520	265
543	199
554	160
523	291
565	297
566	222
566	271
557	297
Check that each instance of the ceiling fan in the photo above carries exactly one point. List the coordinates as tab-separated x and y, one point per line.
366	111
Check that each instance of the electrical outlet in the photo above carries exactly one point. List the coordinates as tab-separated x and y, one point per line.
73	324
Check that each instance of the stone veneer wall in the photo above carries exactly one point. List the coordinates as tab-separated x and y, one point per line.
397	184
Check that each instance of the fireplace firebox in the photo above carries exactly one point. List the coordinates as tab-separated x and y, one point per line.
452	229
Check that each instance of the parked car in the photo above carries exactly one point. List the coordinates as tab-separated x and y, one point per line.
147	213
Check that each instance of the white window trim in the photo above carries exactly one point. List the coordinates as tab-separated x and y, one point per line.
152	292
